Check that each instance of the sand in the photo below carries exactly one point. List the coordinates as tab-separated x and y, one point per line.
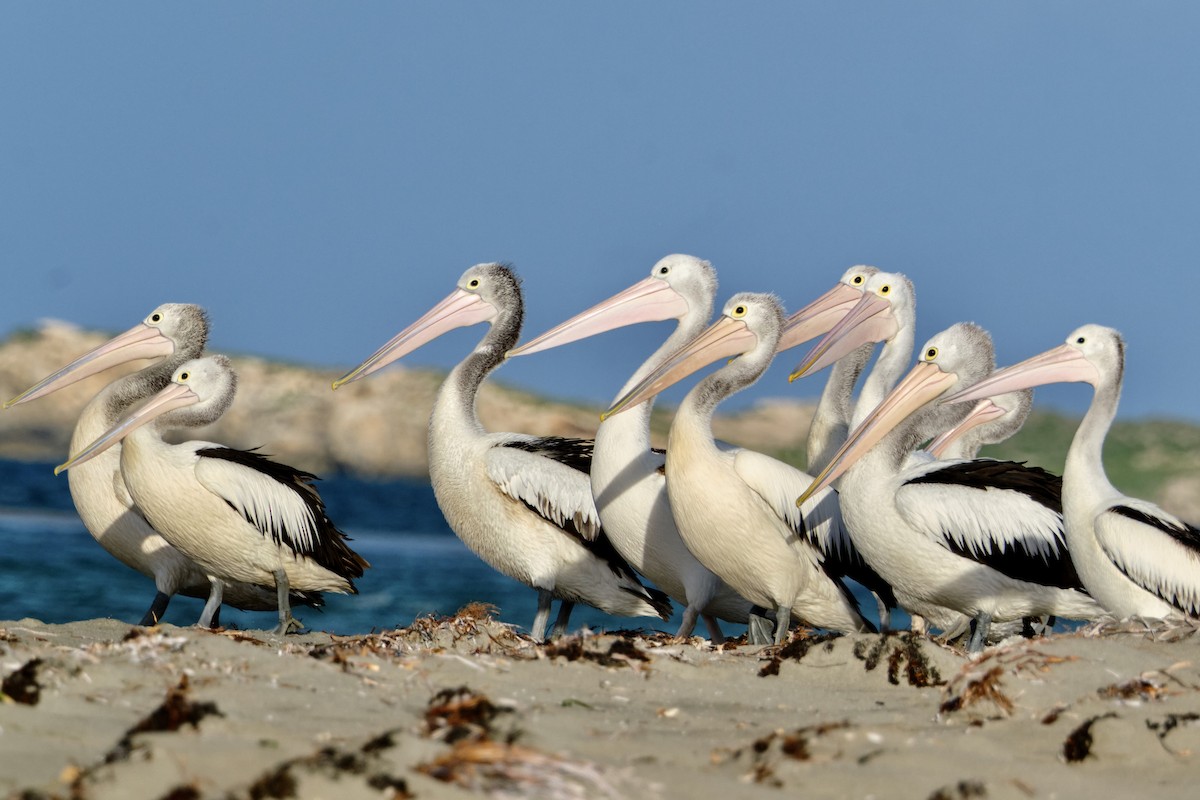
464	707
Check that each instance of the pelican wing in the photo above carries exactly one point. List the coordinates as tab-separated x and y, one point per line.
280	501
778	484
999	513
1157	551
550	475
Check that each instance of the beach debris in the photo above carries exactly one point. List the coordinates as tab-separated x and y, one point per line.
177	710
1078	744
1170	723
282	780
979	680
767	752
1143	687
796	649
21	686
477	761
455	715
904	649
1167	629
620	653
969	689
963	790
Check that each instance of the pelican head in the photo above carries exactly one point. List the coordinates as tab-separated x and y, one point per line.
819	316
991	420
485	292
171	329
887	300
956	357
203	386
1090	354
678	286
749	325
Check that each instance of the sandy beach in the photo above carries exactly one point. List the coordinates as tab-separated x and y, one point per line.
465	706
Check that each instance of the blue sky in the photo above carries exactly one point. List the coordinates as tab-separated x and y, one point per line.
318	175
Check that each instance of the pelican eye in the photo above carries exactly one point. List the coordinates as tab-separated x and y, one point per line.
663	270
885	289
931	354
183	376
738	312
473	283
1079	340
857	280
156	317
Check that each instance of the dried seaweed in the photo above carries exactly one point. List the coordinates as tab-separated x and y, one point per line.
455	715
796	649
1170	723
22	686
175	712
980	687
903	651
767	751
280	782
963	790
1078	744
620	653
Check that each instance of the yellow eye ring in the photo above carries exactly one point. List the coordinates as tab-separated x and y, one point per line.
857	279
931	354
738	312
885	288
473	283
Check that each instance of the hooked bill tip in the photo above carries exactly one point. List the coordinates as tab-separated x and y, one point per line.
60	469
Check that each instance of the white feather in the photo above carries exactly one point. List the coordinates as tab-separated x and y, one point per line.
556	491
1150	557
779	484
269	505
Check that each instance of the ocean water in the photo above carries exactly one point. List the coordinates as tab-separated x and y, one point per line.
51	569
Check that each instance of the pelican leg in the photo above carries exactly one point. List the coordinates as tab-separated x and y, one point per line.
287	623
688	623
538	631
759	627
212	606
157	609
980	626
560	622
714	629
783	621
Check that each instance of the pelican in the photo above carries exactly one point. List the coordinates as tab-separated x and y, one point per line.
171	334
886	312
239	515
831	418
627	477
982	538
522	503
1133	557
990	421
733	508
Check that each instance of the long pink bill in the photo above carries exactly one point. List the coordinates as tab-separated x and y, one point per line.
171	397
460	309
1062	364
983	412
649	300
870	320
924	383
725	338
139	342
818	317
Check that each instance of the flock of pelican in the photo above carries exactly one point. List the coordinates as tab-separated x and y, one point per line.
899	504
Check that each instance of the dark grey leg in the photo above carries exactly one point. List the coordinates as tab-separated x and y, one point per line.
760	627
157	609
714	628
538	632
979	632
560	622
287	623
213	605
783	621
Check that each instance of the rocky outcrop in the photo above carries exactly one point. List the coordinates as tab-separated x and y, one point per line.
372	427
